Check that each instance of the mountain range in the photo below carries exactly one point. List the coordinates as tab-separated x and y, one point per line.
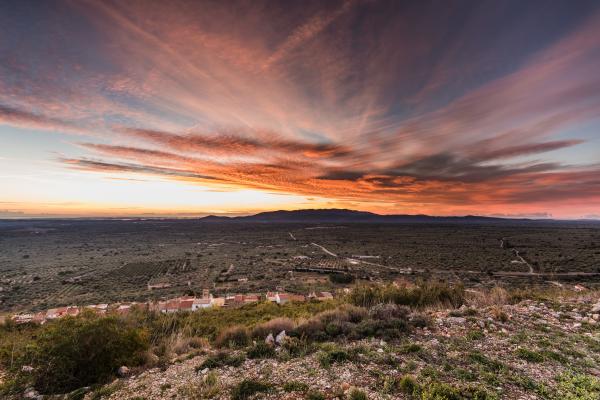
335	215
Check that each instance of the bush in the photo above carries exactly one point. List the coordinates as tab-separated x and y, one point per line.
529	355
221	359
475	334
261	350
234	337
408	385
315	395
249	387
393	328
73	352
312	329
333	356
425	294
295	386
297	347
386	311
411	348
274	326
356	394
578	387
341	278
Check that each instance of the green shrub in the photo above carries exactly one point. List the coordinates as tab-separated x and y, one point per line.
221	359
295	386
261	350
315	395
336	355
356	394
489	364
411	348
578	387
73	352
234	337
341	278
529	355
475	335
408	385
295	347
249	387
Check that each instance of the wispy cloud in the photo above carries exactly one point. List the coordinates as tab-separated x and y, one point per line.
407	105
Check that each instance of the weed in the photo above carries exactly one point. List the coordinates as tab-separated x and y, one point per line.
529	355
261	350
295	386
357	394
249	387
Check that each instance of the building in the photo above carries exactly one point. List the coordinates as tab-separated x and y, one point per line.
321	296
202	303
54	313
186	305
282	298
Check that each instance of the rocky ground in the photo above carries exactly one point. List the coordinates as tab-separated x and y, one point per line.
532	350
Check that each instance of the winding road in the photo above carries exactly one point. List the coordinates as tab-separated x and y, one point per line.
324	250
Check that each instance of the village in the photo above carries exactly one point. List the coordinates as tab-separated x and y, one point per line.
178	304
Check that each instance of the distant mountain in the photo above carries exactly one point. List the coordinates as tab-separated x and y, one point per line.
335	215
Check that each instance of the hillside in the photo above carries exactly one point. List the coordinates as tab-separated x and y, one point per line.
427	342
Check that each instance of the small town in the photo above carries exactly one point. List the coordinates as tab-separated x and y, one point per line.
178	304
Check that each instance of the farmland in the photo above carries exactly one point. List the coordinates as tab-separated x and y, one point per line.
47	263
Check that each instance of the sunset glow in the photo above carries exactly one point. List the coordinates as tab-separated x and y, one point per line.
181	108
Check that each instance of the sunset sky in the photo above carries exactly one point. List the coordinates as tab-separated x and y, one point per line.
177	108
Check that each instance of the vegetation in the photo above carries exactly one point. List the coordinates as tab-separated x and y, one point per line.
421	295
248	387
57	355
75	352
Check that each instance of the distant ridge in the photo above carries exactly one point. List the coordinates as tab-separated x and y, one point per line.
336	215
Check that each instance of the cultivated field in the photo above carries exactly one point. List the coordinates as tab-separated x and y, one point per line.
48	263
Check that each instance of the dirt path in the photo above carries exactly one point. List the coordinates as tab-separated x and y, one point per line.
324	250
292	236
522	261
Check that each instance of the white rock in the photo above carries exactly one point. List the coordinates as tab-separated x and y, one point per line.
280	338
596	308
123	371
26	368
270	339
31	394
457	320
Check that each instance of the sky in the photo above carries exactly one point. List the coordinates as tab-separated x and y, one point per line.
184	108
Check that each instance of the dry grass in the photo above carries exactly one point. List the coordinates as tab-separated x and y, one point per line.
496	296
273	327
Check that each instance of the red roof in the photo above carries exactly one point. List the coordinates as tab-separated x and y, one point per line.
186	304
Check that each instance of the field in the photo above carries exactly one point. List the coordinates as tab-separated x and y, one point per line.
47	263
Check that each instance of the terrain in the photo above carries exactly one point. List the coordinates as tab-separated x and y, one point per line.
423	308
530	350
49	263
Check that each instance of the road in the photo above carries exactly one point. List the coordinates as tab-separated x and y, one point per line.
292	236
324	249
522	261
